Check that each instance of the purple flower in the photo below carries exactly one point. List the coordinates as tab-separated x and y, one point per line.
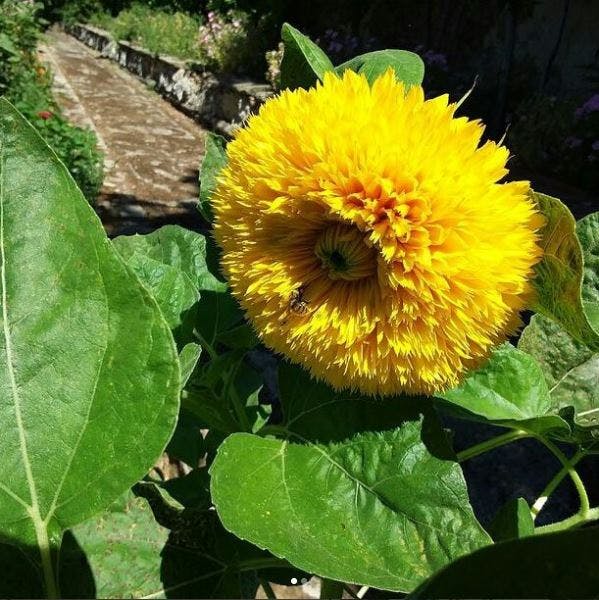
590	106
572	141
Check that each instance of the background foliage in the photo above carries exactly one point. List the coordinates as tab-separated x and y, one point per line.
25	81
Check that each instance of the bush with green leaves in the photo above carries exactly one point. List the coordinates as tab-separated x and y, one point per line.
112	352
27	84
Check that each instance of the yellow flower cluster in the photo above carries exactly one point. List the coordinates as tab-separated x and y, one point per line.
366	235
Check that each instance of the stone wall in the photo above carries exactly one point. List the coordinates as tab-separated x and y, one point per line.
221	103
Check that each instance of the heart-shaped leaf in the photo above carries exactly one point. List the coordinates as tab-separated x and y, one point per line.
85	353
378	509
509	390
559	275
408	66
558	565
304	63
571	370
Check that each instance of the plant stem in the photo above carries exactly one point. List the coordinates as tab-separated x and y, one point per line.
575	520
576	480
208	347
43	541
495	442
270	593
540	502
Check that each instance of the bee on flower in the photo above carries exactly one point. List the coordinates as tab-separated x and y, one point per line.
381	218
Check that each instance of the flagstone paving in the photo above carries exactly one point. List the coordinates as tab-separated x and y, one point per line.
152	151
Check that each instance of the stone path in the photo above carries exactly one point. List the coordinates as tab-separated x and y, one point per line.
152	151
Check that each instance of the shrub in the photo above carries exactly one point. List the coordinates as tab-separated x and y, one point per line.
26	83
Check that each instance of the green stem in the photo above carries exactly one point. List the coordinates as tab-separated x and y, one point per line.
270	593
43	541
495	442
540	502
574	476
574	521
208	347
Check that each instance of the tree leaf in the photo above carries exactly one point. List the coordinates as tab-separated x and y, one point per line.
378	509
304	63
513	521
84	351
215	158
408	66
558	565
571	370
559	275
509	390
315	411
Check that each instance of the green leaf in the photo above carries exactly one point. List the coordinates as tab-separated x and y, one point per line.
587	230
89	376
304	63
187	443
378	509
509	390
215	158
315	411
123	547
514	520
408	66
571	371
559	275
558	565
136	551
171	263
7	45
224	395
188	359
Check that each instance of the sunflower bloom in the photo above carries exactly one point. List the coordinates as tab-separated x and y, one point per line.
366	235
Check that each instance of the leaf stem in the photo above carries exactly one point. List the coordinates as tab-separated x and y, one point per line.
43	542
204	343
270	593
540	502
495	442
576	480
574	521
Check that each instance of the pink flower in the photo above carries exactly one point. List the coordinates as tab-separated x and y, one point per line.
45	115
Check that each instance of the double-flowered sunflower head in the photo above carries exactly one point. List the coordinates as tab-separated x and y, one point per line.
366	235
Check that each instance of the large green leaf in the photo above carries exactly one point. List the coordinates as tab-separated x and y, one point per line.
571	371
509	390
559	275
587	230
171	262
559	565
215	158
379	509
313	410
304	63
408	66
89	376
514	520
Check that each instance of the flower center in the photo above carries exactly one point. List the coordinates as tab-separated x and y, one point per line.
344	254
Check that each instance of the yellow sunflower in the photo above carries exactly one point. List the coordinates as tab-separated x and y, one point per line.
366	235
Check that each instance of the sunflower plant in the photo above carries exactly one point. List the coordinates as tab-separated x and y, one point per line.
198	416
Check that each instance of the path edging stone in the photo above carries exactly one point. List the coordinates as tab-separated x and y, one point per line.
220	102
